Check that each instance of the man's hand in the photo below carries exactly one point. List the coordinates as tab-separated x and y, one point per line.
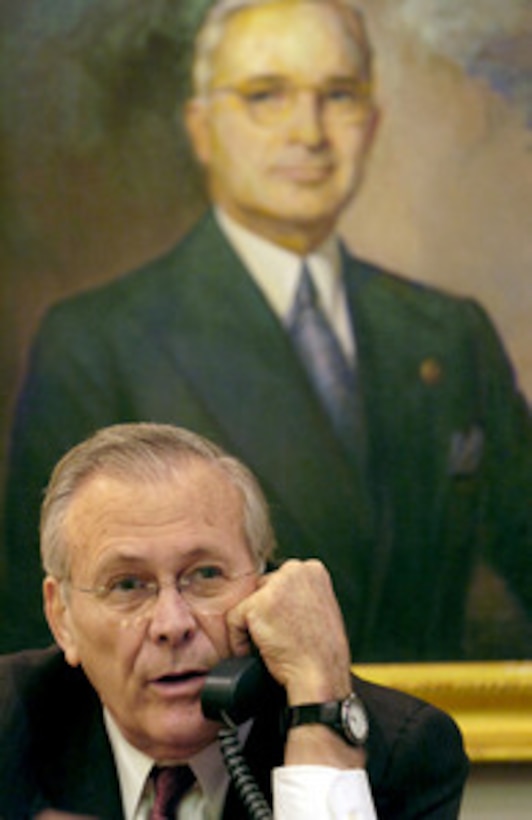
295	622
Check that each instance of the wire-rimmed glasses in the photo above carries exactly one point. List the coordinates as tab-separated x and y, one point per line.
272	101
207	589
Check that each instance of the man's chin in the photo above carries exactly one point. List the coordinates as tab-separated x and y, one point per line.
308	206
179	739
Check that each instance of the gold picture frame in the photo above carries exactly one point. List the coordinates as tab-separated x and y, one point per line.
490	701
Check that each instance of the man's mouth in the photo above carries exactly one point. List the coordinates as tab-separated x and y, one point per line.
179	678
188	683
305	172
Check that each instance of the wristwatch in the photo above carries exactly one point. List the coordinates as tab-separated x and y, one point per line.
347	717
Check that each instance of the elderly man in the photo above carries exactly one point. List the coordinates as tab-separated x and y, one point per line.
154	544
380	416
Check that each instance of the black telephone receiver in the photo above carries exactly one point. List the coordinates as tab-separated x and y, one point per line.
234	691
236	688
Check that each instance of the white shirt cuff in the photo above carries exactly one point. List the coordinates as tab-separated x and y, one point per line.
321	792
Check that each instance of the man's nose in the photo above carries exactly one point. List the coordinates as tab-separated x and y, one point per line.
307	122
170	618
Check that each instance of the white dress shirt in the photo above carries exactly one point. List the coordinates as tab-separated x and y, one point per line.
299	792
205	799
276	272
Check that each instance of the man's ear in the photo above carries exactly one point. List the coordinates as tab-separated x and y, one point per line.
196	117
59	618
372	127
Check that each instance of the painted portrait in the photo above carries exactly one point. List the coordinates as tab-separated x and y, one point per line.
99	178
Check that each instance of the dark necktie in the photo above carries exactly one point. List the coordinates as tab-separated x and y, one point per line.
171	783
321	354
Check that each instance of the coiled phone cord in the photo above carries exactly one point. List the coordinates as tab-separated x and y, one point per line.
250	793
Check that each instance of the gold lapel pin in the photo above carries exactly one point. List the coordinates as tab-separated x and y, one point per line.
430	371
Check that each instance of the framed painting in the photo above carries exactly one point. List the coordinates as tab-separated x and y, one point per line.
92	150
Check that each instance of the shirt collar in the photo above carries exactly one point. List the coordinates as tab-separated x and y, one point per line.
276	270
134	767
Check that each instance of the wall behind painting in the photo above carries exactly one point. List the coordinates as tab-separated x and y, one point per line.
96	176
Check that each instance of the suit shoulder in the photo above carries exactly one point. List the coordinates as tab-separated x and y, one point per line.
32	674
396	706
414	749
42	697
21	668
137	288
415	295
395	709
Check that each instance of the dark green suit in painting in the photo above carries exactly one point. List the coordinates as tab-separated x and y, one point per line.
439	490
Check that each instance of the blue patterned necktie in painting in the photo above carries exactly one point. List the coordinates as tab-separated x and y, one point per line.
318	347
171	783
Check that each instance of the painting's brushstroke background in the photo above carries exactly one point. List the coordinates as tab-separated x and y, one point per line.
95	174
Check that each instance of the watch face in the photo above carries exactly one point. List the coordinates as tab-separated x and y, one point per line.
354	719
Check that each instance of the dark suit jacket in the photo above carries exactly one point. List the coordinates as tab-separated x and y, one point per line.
54	750
189	339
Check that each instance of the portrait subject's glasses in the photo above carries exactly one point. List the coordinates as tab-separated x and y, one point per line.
271	102
207	589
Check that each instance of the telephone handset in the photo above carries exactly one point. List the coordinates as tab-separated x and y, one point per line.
234	691
236	688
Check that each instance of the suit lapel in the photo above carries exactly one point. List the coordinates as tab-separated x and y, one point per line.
76	766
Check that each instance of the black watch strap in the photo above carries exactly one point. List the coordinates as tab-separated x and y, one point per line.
346	717
326	713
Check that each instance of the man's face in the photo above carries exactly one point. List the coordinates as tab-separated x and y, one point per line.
149	663
288	179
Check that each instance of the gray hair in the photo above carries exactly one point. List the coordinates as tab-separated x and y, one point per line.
212	30
144	452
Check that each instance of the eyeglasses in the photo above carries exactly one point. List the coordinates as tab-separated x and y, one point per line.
208	588
273	102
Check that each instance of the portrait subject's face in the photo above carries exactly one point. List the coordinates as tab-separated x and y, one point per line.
148	655
285	130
